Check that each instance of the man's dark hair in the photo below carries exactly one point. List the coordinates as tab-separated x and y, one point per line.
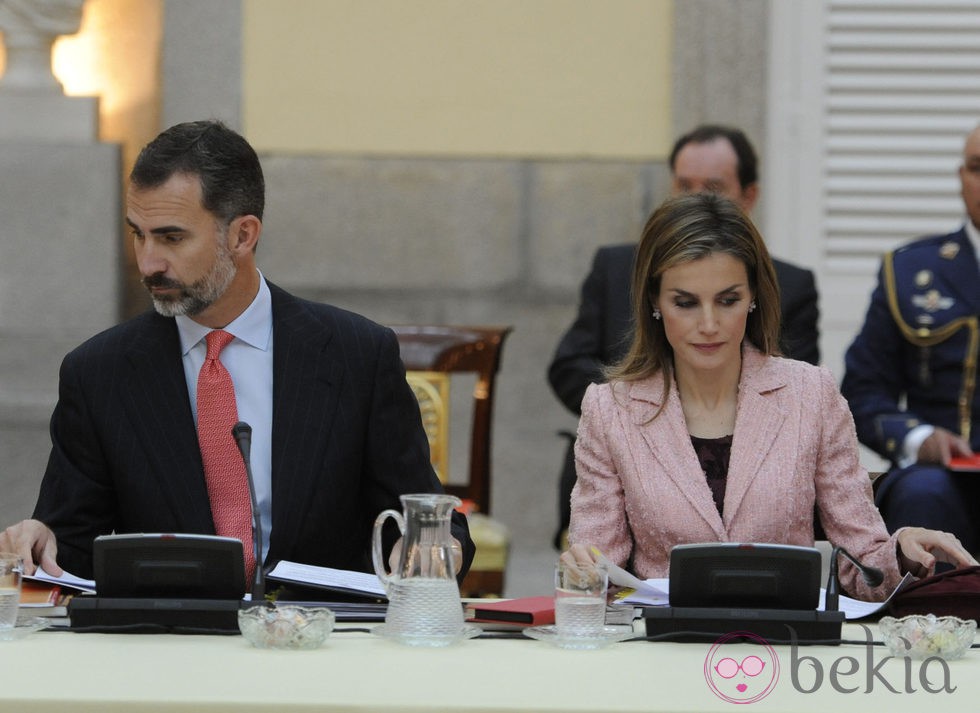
227	166
748	172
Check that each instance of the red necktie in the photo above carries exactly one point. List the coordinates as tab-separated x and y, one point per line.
224	470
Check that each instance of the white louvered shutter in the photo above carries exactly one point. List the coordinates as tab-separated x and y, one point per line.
869	105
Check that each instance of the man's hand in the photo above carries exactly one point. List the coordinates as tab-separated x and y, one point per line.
941	446
396	554
35	543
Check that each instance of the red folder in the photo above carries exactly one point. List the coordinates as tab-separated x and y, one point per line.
532	611
969	464
39	593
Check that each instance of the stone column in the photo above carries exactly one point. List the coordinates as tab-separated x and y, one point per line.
59	269
32	103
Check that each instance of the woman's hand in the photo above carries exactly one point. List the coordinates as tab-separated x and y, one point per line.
579	555
580	569
919	550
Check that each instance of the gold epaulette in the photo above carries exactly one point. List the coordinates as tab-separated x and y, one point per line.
926	337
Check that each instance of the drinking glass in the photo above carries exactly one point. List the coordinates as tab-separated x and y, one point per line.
580	599
11	569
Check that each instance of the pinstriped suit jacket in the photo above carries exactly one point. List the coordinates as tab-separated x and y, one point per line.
347	439
641	490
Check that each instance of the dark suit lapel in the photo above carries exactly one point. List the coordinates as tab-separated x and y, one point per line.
158	408
304	404
618	297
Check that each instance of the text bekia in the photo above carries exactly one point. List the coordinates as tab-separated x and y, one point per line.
844	672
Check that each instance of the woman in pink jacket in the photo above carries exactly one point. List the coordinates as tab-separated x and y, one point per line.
704	433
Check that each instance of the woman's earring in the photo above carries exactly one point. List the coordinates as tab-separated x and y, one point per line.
752	306
656	313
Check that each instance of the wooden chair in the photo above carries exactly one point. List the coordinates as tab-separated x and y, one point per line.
433	354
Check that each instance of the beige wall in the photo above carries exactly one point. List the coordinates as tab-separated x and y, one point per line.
501	78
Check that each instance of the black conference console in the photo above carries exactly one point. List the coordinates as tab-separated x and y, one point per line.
163	582
748	591
149	615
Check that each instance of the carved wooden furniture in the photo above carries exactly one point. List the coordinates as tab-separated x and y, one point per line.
435	355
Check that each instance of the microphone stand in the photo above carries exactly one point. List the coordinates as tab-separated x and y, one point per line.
872	577
242	433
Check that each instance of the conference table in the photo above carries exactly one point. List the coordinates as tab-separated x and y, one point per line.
356	670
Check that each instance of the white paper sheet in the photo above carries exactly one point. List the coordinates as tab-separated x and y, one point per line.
340	579
67	579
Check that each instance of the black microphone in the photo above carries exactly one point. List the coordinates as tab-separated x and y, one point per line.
242	433
872	577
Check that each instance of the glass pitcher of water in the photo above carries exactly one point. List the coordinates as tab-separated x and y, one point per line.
424	606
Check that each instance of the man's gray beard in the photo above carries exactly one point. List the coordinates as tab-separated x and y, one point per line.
197	297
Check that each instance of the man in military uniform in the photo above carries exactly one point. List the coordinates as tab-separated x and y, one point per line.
911	373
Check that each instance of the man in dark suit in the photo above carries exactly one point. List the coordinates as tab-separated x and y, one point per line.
911	373
337	434
717	159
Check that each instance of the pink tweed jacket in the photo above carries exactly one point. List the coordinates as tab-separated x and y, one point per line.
641	490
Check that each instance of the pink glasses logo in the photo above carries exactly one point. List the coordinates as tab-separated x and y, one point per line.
743	677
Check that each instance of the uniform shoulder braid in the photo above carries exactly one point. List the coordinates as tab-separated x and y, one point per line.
923	283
